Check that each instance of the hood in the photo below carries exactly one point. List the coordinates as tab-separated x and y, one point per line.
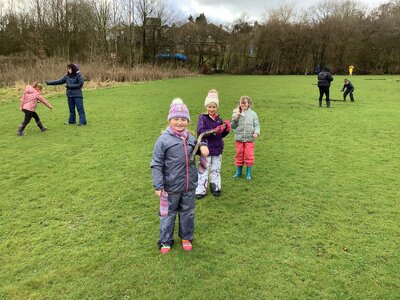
326	69
74	68
30	90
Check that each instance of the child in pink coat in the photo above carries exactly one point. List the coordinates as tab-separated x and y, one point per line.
29	101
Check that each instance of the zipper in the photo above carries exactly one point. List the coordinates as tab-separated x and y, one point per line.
244	128
187	164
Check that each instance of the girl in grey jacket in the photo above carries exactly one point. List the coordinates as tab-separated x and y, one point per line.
247	129
175	174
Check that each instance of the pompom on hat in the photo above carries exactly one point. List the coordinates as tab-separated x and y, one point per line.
178	109
212	97
176	101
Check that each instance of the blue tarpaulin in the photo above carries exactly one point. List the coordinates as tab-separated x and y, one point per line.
178	56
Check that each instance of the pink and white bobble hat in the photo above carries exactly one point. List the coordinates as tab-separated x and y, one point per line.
178	109
212	97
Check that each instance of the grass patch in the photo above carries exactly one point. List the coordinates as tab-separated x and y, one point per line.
320	219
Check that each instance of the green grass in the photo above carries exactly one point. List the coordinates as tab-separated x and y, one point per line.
319	220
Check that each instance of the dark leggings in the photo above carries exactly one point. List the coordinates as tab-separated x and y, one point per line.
324	90
28	117
347	92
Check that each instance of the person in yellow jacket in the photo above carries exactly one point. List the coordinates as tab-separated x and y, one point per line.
351	68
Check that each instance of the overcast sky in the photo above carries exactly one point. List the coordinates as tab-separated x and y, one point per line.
221	11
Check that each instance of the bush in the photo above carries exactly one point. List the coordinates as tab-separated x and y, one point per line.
28	68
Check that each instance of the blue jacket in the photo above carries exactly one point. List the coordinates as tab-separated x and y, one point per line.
73	84
214	142
171	168
349	86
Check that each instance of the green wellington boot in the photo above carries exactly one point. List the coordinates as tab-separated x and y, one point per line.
248	173
238	172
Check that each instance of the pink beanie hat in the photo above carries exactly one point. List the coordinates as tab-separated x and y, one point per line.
178	109
212	97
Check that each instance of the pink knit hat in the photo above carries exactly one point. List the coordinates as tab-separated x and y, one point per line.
212	97
178	109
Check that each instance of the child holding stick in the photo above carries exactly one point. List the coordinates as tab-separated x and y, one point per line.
211	165
175	174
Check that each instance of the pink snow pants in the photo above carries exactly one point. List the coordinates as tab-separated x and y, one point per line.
244	154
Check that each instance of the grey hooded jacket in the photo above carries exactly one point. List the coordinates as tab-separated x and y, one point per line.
171	168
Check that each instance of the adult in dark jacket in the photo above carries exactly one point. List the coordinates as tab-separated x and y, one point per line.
73	82
348	89
324	82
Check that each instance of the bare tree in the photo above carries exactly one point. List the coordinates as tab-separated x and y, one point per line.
242	43
101	21
334	32
151	15
384	38
204	43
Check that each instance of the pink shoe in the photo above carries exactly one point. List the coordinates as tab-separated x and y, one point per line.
165	249
187	245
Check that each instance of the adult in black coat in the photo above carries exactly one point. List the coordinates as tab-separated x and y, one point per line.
324	82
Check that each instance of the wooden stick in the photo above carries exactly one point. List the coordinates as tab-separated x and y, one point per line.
199	141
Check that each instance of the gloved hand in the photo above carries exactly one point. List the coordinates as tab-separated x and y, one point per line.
219	129
342	90
227	125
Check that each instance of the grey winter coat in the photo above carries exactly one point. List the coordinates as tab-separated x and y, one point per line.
245	126
171	168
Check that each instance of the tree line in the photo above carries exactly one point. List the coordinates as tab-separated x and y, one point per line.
126	32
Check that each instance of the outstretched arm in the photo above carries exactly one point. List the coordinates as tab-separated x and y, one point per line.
44	101
58	81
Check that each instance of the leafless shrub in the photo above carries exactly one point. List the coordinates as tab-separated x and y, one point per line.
23	70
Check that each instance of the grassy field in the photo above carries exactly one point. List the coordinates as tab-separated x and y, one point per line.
319	220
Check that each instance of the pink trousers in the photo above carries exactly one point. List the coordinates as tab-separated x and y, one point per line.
244	153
